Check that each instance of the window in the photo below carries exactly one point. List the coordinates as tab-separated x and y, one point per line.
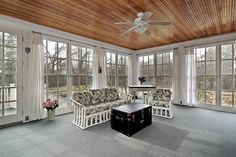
66	71
56	70
164	74
8	74
147	68
122	72
205	58
81	61
111	69
228	75
117	70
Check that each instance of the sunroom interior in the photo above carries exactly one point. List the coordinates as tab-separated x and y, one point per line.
53	49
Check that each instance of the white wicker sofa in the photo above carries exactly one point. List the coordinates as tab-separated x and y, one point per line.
160	100
94	107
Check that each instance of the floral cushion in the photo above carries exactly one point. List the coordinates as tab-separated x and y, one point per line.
160	103
161	94
84	98
111	94
98	96
92	109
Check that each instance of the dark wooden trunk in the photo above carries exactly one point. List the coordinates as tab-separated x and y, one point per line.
129	119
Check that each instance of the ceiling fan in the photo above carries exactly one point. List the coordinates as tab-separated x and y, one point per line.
141	24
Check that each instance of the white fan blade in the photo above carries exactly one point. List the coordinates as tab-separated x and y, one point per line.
158	22
132	28
123	23
146	16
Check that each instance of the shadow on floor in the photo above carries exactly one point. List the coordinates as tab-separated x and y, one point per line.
165	136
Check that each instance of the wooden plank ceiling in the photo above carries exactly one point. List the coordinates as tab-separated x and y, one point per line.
190	19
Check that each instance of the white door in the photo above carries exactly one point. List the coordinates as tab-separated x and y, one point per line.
10	74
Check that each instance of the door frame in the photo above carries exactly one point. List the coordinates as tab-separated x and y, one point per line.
16	117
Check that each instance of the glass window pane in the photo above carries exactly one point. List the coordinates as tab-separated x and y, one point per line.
166	58
75	83
62	66
89	82
1	52
159	58
171	57
145	70
62	90
9	67
10	79
234	99
226	99
83	82
62	49
151	60
1	109
52	65
210	97
82	67
111	81
167	69
52	87
210	68
113	58
226	67
200	82
74	52
119	59
10	108
10	53
89	68
235	50
210	82
75	67
200	68
145	59
200	54
140	60
1	44
151	71
10	39
52	47
227	82
210	53
200	96
159	69
226	51
150	80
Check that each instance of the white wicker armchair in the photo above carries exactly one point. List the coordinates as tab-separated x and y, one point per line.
160	100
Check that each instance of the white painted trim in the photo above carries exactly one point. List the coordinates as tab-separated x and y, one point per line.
196	42
20	24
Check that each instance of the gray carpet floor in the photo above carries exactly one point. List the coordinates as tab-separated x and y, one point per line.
193	132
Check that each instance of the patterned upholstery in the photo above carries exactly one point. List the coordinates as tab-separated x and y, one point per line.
92	109
98	100
161	97
98	96
161	94
160	103
84	98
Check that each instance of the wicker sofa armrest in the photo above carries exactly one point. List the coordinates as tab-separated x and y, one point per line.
76	103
